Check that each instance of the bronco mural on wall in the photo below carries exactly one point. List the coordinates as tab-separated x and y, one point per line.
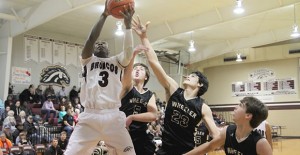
55	75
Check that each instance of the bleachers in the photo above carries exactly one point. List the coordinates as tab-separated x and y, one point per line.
36	110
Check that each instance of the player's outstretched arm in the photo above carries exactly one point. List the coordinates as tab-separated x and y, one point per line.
209	121
125	57
127	77
167	82
88	48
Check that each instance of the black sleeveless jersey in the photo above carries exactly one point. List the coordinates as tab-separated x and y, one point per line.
135	103
181	119
246	147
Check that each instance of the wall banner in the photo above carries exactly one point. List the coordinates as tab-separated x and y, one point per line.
21	75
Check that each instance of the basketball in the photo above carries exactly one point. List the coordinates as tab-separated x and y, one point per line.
115	6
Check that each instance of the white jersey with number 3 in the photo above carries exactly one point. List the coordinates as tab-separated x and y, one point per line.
101	83
261	128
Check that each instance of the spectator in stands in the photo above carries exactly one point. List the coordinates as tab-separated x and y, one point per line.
63	141
23	140
9	101
69	106
18	137
31	129
8	132
73	94
39	93
63	102
76	115
4	114
68	122
48	108
49	92
19	128
10	88
43	133
158	101
158	131
4	142
76	104
61	113
62	93
2	111
10	120
27	146
17	108
28	95
1	105
54	149
221	117
217	120
27	108
21	118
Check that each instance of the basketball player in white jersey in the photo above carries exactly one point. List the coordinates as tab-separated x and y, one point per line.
264	129
100	94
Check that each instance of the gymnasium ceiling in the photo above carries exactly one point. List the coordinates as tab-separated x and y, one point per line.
212	24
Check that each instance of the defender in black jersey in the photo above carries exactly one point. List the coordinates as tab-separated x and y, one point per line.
138	103
201	135
185	108
240	139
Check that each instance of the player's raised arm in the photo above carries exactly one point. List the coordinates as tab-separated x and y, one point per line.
125	57
167	82
209	121
127	77
88	48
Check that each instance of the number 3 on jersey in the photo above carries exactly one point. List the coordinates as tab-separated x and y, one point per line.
104	79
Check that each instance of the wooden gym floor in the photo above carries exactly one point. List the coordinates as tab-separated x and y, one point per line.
280	147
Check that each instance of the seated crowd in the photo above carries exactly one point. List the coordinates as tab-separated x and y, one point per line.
38	121
42	121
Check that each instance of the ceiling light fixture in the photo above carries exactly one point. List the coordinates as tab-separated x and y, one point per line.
239	57
119	31
239	8
192	46
295	32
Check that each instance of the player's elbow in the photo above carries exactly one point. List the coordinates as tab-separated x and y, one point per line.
215	133
153	117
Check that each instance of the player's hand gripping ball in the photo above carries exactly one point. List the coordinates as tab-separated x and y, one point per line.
115	6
